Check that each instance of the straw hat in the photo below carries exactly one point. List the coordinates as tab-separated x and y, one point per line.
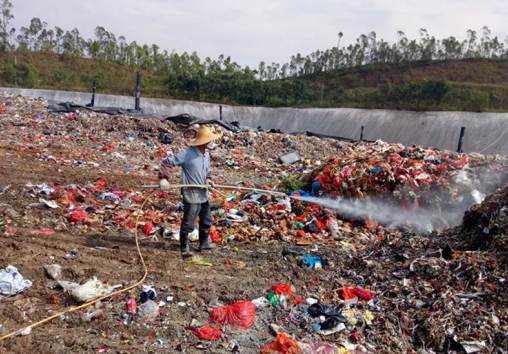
204	136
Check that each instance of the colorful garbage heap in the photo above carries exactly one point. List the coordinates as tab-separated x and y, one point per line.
250	217
410	177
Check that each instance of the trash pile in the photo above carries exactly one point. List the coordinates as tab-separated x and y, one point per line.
287	276
404	172
135	146
485	225
409	177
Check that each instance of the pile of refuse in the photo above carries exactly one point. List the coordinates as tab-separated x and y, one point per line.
97	141
242	216
409	177
485	225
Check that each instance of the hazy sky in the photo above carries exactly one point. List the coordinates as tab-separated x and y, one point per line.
269	30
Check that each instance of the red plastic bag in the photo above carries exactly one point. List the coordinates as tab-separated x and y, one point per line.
147	228
283	345
241	313
282	289
1	110
346	293
207	333
363	294
215	236
78	216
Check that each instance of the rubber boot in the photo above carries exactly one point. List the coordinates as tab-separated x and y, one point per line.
184	245
204	241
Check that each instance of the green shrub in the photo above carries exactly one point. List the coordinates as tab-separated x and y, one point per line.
26	75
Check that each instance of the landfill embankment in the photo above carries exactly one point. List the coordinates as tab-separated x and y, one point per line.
485	132
288	276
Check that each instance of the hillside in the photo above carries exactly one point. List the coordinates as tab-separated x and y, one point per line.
469	85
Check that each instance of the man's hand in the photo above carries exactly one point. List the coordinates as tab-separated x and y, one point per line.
164	184
211	184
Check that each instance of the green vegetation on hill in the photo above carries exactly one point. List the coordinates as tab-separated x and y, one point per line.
469	85
423	74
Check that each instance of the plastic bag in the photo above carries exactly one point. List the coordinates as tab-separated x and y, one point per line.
363	294
241	313
262	302
333	227
333	316
192	237
78	216
148	311
283	344
92	289
147	228
215	236
346	293
207	333
282	289
313	262
273	298
12	282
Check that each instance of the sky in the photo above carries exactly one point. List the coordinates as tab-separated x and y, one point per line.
270	30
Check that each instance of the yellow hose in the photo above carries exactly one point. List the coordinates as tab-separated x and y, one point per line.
91	302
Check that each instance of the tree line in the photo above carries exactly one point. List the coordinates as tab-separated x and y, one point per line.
188	76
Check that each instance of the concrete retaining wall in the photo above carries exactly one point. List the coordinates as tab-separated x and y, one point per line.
485	132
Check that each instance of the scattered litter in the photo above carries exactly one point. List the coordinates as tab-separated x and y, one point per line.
54	271
148	311
290	158
242	314
90	290
207	333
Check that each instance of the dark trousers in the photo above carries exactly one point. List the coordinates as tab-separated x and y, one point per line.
190	215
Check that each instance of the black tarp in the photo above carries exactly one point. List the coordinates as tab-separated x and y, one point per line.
69	107
188	120
181	119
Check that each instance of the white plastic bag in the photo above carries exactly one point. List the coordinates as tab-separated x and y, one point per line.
193	236
261	302
92	289
148	311
12	282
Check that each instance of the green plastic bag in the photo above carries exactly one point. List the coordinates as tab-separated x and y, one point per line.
273	298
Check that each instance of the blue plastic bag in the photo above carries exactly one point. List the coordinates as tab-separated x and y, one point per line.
312	262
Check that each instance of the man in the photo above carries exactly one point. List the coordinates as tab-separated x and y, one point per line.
195	163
